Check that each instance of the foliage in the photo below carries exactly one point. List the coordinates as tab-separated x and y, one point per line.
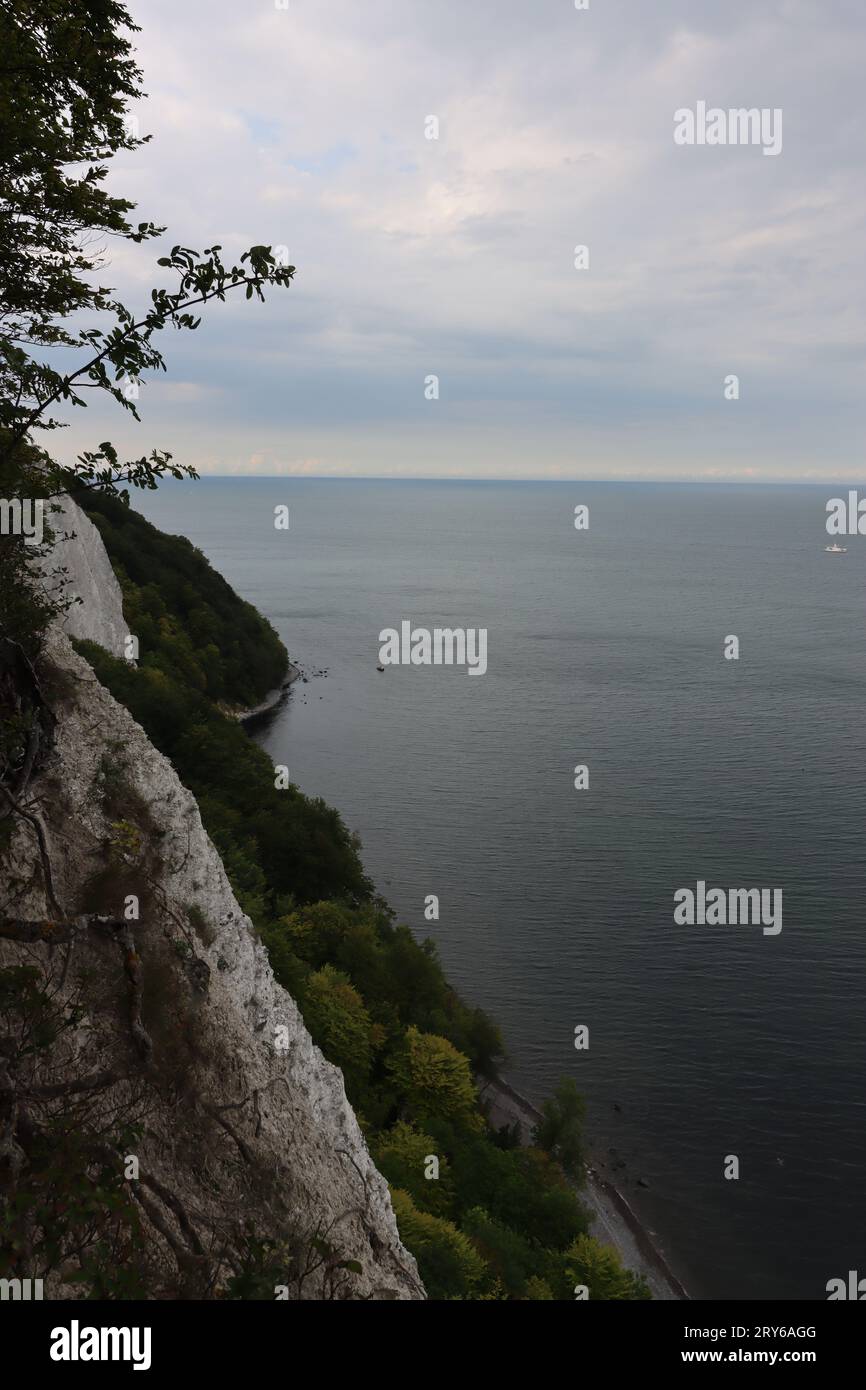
270	1269
448	1262
600	1269
189	622
335	1015
538	1290
523	1188
402	1154
400	978
511	1257
435	1079
65	1208
67	76
274	843
560	1131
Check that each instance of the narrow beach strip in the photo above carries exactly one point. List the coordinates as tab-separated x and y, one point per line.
613	1220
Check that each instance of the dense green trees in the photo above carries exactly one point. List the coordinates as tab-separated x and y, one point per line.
449	1262
190	623
278	845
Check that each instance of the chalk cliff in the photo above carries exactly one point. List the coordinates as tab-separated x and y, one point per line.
79	569
246	1127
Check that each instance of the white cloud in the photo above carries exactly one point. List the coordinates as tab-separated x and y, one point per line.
306	128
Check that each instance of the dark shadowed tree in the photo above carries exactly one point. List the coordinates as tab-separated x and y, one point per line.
560	1130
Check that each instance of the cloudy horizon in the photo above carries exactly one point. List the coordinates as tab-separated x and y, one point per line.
454	257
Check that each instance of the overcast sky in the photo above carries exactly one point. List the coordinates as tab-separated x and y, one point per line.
305	127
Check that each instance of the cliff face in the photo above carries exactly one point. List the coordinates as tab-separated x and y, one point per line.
81	570
245	1123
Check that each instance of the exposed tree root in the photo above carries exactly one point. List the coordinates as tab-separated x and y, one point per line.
55	932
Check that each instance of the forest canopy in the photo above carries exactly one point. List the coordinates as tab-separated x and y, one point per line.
190	623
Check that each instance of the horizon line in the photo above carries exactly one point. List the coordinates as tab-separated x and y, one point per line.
470	478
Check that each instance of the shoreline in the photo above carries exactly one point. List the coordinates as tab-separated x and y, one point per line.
614	1222
271	700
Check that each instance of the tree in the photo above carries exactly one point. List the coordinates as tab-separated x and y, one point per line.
538	1290
513	1258
402	1155
435	1079
560	1131
600	1269
338	1022
448	1263
482	1042
67	76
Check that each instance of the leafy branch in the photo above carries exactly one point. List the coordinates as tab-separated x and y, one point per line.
128	350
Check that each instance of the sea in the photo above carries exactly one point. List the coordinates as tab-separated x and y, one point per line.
723	1064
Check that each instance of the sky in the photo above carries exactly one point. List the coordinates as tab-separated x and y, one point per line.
306	127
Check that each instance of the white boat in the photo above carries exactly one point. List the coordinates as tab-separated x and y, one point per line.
835	549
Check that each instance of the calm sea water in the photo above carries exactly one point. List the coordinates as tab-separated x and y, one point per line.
556	905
